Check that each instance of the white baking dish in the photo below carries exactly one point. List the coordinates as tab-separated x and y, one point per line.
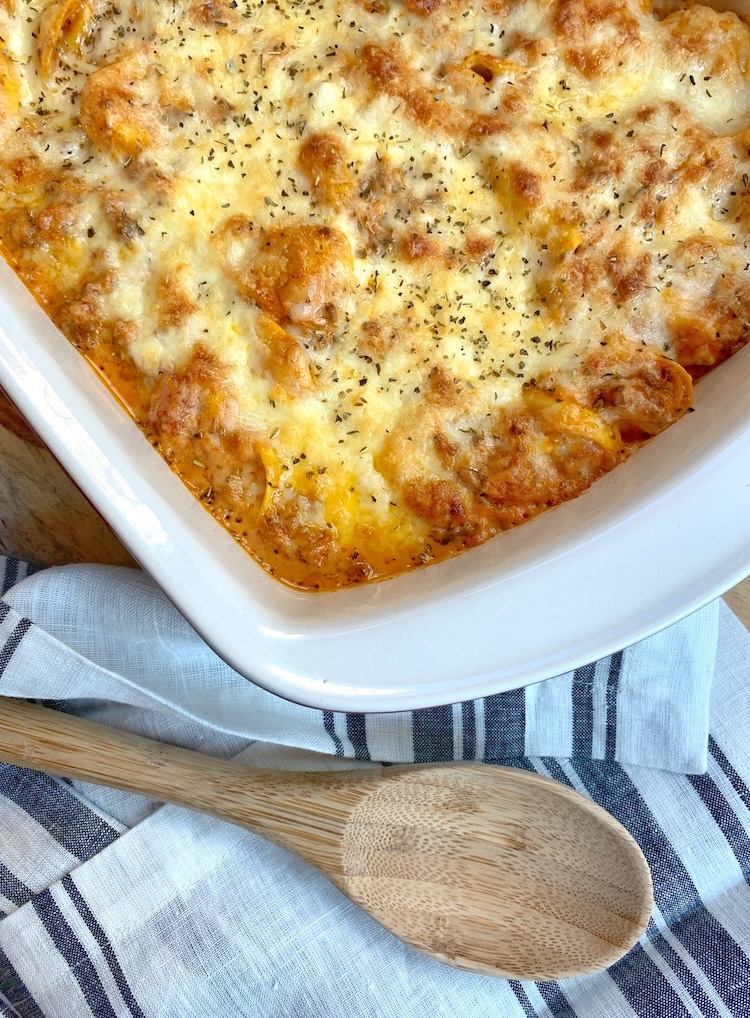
655	539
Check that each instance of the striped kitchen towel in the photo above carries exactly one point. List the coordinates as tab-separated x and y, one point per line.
115	906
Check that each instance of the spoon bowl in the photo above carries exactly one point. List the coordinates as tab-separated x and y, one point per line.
491	869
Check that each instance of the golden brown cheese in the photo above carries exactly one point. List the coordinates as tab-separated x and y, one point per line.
382	279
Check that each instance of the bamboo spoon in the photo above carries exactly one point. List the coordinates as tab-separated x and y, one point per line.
492	869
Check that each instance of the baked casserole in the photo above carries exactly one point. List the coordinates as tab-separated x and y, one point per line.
381	279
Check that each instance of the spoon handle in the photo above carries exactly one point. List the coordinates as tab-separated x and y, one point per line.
303	812
71	747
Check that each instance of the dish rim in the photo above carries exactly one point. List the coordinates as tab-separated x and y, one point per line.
338	650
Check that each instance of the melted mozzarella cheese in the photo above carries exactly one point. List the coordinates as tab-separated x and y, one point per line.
364	273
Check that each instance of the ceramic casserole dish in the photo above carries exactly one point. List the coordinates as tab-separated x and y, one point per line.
381	285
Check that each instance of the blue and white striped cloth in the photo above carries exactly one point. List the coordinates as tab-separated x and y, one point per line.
112	905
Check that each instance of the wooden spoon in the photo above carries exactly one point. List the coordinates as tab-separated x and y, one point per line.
492	869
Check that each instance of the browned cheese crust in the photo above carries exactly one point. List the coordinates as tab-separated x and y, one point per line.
382	279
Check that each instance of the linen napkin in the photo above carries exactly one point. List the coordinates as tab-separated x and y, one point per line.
114	905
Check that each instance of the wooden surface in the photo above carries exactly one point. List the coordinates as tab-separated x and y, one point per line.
491	869
738	599
45	518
